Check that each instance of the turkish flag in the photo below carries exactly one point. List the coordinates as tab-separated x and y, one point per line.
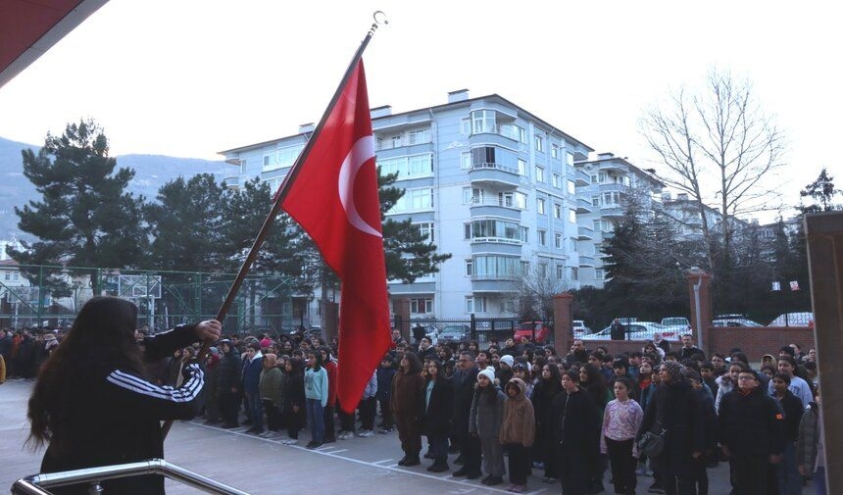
334	197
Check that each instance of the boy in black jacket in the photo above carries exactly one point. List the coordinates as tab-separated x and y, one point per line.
385	374
751	433
789	479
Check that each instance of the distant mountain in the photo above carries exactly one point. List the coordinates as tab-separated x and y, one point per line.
151	172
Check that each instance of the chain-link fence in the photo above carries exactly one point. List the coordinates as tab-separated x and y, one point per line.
50	296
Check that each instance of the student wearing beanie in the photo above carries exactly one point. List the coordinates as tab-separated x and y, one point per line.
505	373
485	422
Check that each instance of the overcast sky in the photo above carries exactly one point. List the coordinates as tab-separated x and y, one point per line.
190	78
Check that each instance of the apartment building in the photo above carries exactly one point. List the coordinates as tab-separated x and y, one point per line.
490	183
608	181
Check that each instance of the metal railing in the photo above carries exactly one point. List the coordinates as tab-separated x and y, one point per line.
38	484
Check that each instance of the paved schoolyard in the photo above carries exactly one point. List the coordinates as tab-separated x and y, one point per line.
265	466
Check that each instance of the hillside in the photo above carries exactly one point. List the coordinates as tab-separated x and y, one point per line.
151	172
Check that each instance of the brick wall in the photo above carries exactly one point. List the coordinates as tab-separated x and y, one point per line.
754	342
757	341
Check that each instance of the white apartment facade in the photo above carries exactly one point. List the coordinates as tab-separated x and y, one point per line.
490	183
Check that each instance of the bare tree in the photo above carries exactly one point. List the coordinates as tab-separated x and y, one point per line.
535	293
720	148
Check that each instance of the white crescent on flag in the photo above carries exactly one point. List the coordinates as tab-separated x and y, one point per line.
361	152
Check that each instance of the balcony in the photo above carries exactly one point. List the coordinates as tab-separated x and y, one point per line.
493	285
585	234
586	261
584	206
232	182
494	173
583	179
612	210
612	186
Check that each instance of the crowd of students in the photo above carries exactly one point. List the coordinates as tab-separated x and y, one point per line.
569	417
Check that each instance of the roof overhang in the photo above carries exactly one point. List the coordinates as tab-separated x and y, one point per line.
28	28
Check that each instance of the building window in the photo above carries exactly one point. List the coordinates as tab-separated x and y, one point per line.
465	161
572	187
539	142
570	159
482	121
509	305
557	210
600	274
475	304
541	237
595	201
540	206
560	272
557	241
419	136
414	200
572	216
489	267
496	229
522	135
542	270
522	167
465	127
573	273
426	229
555	180
280	158
539	174
521	201
421	305
595	224
408	167
554	151
469	267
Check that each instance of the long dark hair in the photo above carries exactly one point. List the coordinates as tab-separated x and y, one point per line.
101	340
317	359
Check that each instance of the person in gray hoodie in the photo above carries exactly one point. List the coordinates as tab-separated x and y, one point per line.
484	422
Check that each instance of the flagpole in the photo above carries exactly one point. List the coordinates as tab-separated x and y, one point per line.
283	189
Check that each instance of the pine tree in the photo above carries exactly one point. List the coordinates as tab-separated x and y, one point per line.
186	223
821	191
85	217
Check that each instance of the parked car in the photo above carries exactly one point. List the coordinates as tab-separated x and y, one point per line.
734	321
678	323
530	329
454	333
637	330
580	328
799	319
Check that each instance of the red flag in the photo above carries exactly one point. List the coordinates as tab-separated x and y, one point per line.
334	197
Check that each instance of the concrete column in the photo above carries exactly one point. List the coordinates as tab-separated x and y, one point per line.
824	232
699	290
563	323
401	308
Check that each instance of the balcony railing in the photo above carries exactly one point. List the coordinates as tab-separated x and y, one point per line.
37	484
389	144
493	166
505	203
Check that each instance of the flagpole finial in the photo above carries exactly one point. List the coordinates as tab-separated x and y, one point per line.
380	18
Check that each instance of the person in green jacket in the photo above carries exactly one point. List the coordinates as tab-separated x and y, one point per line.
270	393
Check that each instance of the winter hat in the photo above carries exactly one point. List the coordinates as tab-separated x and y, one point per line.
674	370
266	342
508	360
488	373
